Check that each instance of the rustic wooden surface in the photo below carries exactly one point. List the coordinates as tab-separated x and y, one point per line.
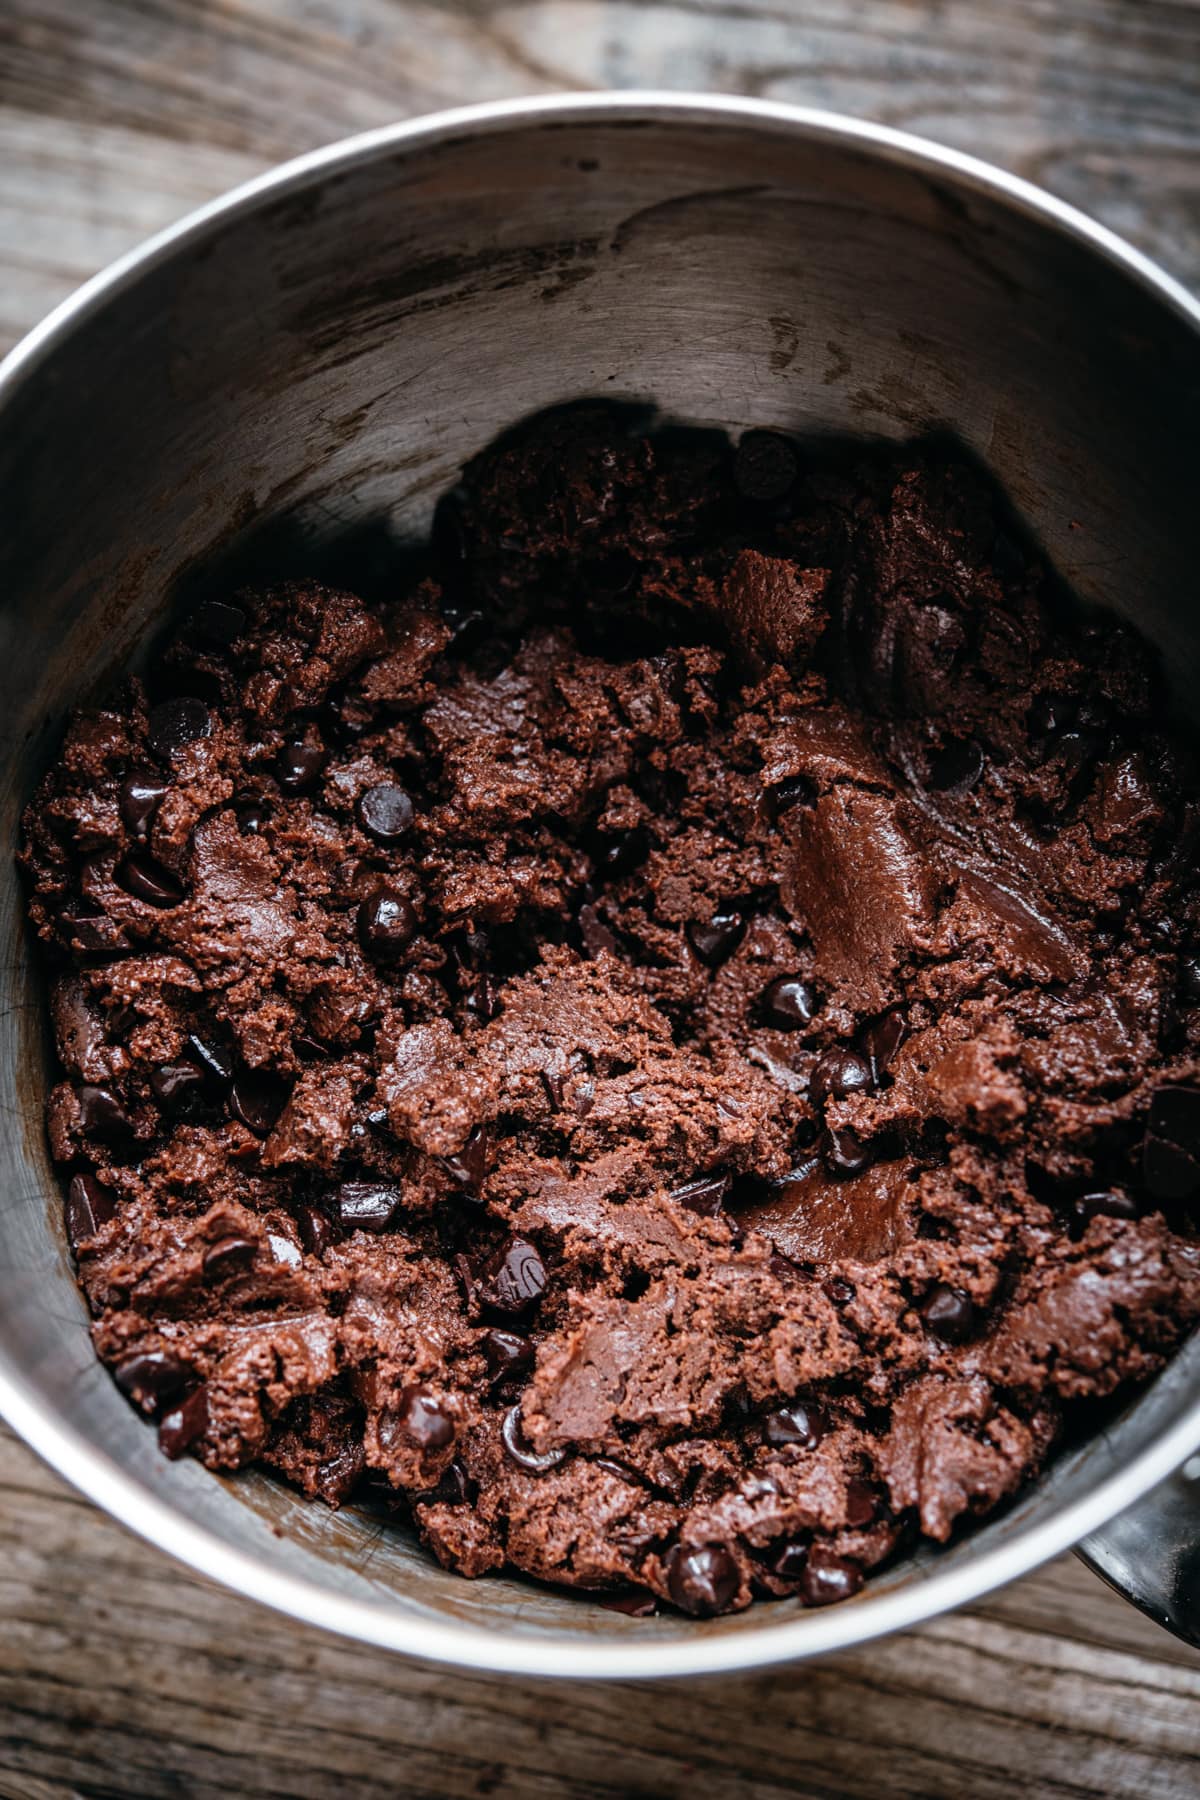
119	1676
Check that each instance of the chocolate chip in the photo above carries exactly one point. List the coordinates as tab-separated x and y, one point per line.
469	1166
139	800
455	1488
1114	1203
147	880
788	1003
507	1353
705	1195
338	1476
793	791
228	1256
257	1099
385	812
317	1230
419	1416
175	723
521	1451
217	622
621	852
862	1503
787	1558
949	1313
702	1581
1050	715
179	1089
594	933
89	1206
252	815
366	1205
839	1290
300	761
843	1152
765	466
1188	988
387	925
636	1604
514	1280
717	938
102	1114
215	1061
828	1577
96	934
1171	1153
880	1039
151	1378
800	1423
837	1074
184	1424
956	767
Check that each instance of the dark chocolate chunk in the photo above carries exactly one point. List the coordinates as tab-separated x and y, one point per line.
185	1423
300	761
419	1416
828	1577
175	723
797	1423
89	1206
949	1313
455	1488
1188	988
862	1503
1171	1152
253	815
180	1088
838	1073
366	1205
102	1114
788	1003
147	880
788	1557
469	1166
636	1604
880	1038
621	852
385	812
702	1580
765	466
514	1280
1112	1203
705	1195
507	1352
843	1152
140	798
151	1378
338	1476
217	622
387	925
717	938
228	1256
316	1228
956	767
257	1098
213	1059
521	1451
786	795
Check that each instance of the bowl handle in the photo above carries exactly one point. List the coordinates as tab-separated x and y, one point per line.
1151	1554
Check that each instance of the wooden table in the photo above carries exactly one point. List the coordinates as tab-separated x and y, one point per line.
119	1676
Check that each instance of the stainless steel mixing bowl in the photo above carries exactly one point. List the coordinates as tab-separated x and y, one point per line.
306	364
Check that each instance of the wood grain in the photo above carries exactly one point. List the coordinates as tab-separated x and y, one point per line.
117	116
120	1676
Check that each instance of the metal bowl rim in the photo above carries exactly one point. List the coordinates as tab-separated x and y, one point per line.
707	1651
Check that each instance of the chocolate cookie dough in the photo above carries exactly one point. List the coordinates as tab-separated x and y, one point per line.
668	1052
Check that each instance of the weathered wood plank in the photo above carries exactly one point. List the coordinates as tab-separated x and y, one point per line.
120	1675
